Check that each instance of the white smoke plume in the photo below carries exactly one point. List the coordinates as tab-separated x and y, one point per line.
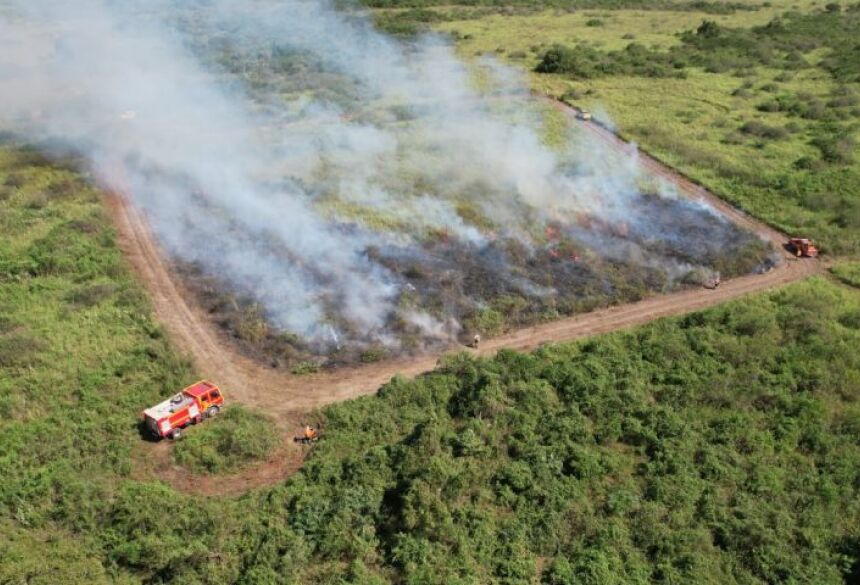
282	188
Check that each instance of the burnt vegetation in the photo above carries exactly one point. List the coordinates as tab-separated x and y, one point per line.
507	284
576	265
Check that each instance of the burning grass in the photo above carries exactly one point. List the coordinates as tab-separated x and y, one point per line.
465	288
465	251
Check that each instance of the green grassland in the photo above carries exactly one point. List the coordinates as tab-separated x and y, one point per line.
607	29
719	447
720	122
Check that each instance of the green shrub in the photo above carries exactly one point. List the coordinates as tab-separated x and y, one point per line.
755	128
486	321
373	354
584	62
232	440
20	348
91	294
251	324
781	43
835	146
304	368
769	106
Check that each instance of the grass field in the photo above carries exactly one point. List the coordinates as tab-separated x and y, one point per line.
509	35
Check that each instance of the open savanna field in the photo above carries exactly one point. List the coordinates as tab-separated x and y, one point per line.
717	447
761	132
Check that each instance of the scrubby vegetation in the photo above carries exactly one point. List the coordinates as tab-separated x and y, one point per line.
411	14
721	447
408	18
584	62
79	358
234	439
716	448
782	43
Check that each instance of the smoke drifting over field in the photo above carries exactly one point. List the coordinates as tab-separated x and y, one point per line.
323	169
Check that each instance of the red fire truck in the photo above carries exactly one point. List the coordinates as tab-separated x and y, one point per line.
200	400
802	247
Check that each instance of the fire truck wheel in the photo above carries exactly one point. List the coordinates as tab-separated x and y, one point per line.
212	412
175	434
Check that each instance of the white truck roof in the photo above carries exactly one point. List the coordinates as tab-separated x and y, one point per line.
169	406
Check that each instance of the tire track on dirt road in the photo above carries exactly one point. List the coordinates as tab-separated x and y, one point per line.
287	397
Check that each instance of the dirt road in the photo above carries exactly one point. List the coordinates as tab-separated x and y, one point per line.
286	396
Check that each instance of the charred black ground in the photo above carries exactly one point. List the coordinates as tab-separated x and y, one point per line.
506	284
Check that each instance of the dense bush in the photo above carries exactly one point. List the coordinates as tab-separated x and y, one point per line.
584	62
755	128
679	452
836	145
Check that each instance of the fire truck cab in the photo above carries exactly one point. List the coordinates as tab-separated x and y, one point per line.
802	248
194	403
